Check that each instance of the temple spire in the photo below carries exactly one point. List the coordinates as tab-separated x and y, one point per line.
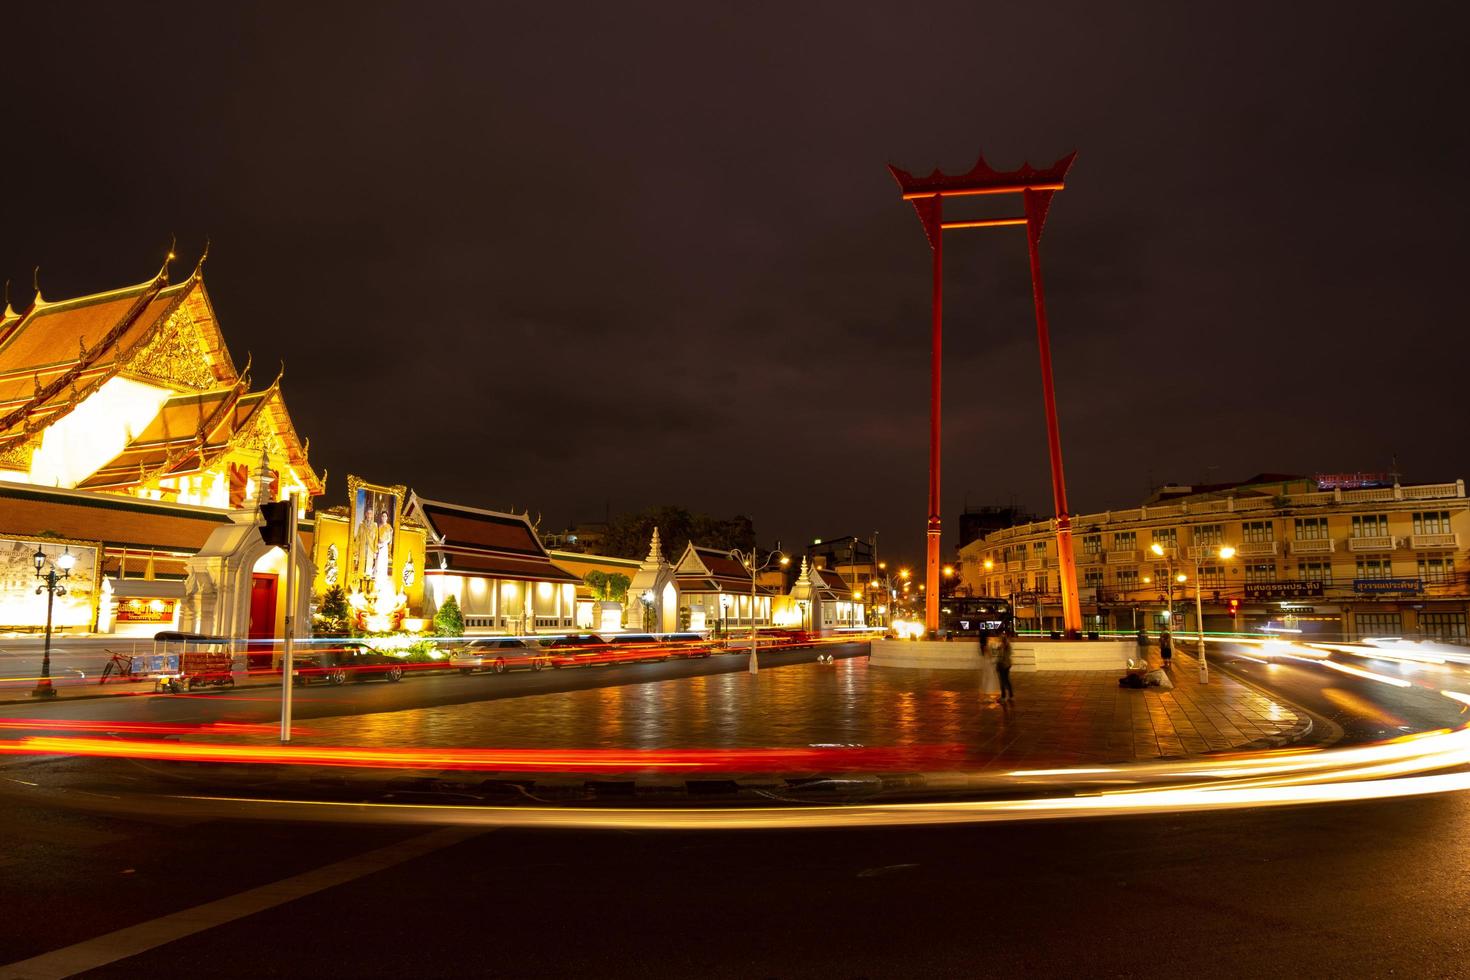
655	550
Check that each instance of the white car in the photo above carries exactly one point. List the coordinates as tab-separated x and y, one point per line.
499	654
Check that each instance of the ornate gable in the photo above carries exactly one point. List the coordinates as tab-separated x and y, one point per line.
175	355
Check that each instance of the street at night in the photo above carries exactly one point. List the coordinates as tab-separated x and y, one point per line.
821	490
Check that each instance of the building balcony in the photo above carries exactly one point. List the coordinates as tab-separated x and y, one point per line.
1382	542
1089	558
1256	549
1123	557
1014	565
1204	552
1035	564
1313	546
1417	541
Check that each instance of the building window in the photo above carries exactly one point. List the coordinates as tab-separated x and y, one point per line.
1093	578
1375	567
1380	624
1444	627
1091	544
1162	622
1128	579
1166	537
1370	526
1258	531
1261	572
1439	569
1160	575
1209	535
1311	528
1314	571
1432	522
1040	583
1039	549
1125	540
1211	577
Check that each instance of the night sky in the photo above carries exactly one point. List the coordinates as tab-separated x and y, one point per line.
566	258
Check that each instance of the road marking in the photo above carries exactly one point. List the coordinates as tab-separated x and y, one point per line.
119	945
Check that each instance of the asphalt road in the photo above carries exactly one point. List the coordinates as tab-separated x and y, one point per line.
1351	890
1361	889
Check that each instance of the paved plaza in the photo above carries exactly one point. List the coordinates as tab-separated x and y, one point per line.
1057	718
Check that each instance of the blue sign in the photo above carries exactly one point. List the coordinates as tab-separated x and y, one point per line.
1374	586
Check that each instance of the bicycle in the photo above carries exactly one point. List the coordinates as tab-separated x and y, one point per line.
120	664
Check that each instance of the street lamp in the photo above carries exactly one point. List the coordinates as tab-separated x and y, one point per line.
1225	552
50	584
748	559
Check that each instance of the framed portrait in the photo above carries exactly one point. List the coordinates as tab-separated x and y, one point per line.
372	533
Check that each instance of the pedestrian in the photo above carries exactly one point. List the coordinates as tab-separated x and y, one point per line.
1003	667
1166	648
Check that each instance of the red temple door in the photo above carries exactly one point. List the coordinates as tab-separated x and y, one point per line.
262	620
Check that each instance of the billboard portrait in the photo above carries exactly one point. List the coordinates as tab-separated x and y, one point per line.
372	533
22	608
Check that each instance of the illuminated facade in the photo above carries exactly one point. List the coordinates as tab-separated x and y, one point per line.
1310	556
495	567
125	426
715	589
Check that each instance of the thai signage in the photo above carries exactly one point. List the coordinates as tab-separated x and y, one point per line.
1310	589
1353	481
1381	586
146	610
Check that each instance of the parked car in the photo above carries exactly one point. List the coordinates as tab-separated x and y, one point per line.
342	660
499	654
578	650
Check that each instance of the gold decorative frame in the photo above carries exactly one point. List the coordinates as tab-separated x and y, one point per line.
397	491
96	546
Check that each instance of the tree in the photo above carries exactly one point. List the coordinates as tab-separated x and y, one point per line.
617	586
597	582
449	621
628	534
331	616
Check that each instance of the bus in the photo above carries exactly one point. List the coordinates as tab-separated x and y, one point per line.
974	615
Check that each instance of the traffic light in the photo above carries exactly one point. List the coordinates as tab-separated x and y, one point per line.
1233	605
276	530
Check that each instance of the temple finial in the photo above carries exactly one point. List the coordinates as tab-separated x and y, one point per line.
168	258
199	266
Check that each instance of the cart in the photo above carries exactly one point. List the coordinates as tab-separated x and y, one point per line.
184	661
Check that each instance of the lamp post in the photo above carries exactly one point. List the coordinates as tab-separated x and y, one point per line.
748	559
51	581
1224	553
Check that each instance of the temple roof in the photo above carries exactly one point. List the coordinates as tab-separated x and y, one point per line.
56	353
483	542
712	570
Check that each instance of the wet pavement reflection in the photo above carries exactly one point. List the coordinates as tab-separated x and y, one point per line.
1057	718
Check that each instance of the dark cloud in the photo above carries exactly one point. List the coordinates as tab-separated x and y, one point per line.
613	255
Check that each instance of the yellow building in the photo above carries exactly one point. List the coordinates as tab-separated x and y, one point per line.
1313	556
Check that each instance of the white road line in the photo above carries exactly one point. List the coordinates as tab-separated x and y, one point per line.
114	946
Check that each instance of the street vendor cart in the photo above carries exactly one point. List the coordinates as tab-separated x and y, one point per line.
184	661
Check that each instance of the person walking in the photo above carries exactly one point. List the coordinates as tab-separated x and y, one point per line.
1166	647
1003	667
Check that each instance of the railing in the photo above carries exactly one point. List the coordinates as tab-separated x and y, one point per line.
1428	491
1123	557
1450	540
1089	558
1014	565
1250	549
1313	546
1381	542
1035	564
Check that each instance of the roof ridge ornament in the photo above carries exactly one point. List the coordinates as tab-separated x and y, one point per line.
167	259
199	266
38	299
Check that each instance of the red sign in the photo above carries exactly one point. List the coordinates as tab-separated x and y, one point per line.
145	610
1352	481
